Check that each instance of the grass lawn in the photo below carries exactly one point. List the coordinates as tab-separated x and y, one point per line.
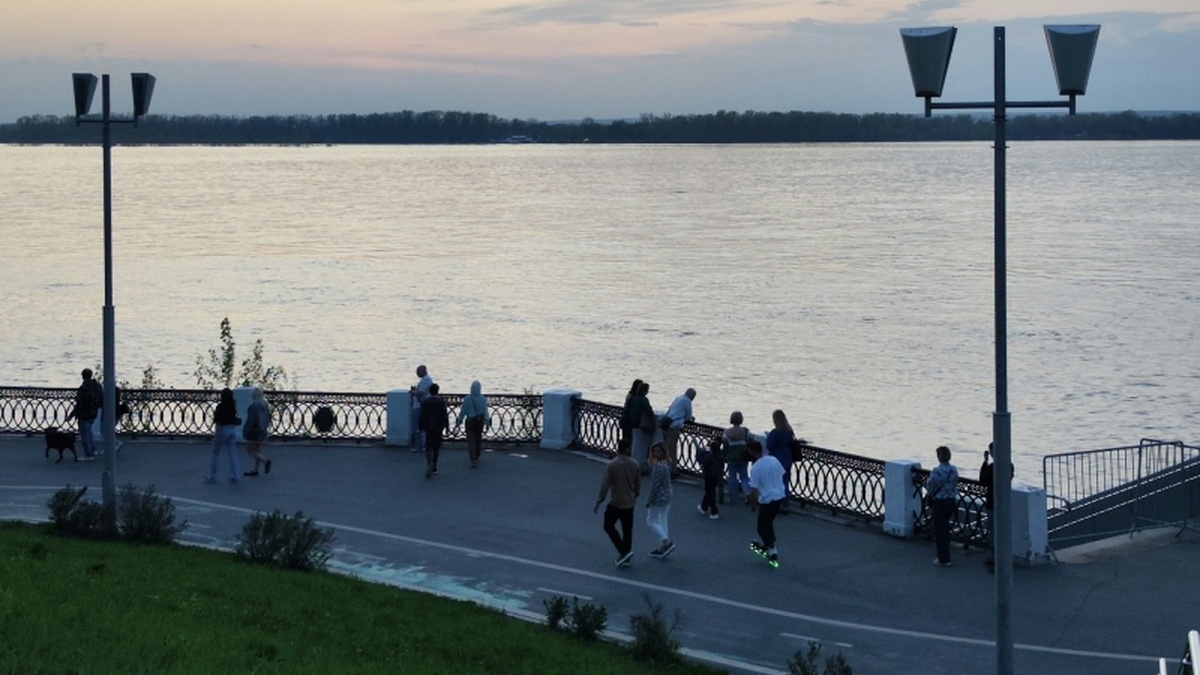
71	606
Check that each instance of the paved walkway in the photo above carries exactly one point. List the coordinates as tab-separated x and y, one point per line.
520	529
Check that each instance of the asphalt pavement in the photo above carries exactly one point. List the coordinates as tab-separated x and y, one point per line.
520	529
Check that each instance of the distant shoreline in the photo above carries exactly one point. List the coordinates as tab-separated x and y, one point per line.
722	127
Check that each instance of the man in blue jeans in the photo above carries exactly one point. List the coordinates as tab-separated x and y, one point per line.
89	398
419	392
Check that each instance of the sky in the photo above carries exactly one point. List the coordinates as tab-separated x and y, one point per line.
568	59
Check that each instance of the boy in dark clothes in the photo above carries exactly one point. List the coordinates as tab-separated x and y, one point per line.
435	421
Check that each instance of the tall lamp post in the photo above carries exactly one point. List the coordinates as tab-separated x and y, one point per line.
1071	51
85	89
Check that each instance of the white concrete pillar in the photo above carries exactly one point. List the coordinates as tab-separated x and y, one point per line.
242	398
900	501
399	418
1030	535
558	418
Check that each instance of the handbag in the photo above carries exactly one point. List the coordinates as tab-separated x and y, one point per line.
647	423
665	422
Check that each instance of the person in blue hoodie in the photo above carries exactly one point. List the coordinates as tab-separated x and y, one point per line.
474	414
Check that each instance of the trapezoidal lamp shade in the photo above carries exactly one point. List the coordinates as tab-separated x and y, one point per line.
1071	50
928	51
143	89
85	89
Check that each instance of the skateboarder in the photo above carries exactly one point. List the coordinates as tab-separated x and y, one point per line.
766	491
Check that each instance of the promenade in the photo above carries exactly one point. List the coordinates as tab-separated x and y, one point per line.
520	529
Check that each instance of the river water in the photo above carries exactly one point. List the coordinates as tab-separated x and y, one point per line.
849	285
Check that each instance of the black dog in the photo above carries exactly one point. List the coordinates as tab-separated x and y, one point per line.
60	441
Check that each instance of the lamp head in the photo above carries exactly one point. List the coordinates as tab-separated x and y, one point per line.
85	89
1071	50
143	88
928	51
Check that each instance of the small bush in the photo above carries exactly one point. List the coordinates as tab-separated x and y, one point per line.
652	641
285	542
74	516
556	611
587	621
806	664
146	517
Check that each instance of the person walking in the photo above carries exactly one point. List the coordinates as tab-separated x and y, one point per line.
89	398
712	465
434	422
474	414
678	414
942	490
627	422
419	392
779	445
733	441
658	504
641	414
226	423
258	422
621	485
766	495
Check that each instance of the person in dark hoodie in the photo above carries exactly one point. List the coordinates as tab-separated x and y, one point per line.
435	422
226	423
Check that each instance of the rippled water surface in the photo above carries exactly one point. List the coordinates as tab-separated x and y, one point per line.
850	285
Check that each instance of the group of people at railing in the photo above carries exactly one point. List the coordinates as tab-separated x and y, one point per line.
724	463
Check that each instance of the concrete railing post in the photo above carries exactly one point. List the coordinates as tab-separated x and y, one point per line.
558	418
900	501
1030	533
399	418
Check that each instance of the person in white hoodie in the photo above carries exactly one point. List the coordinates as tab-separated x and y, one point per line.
474	414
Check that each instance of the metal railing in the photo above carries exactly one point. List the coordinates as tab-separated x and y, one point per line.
837	481
1189	664
1099	493
969	525
294	415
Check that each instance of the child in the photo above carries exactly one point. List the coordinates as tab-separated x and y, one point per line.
712	464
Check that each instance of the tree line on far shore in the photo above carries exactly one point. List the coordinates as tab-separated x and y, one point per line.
439	127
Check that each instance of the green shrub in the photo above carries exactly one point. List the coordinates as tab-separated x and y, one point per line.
587	621
652	638
74	516
556	611
806	664
285	542
146	517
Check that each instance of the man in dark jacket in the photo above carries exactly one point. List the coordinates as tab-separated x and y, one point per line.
89	398
435	421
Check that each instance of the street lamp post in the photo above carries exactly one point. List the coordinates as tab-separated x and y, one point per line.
85	89
1071	51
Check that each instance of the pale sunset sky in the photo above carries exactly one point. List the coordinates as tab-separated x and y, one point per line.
568	59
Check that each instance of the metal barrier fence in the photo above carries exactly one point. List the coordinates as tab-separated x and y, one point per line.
837	481
294	415
1098	493
970	524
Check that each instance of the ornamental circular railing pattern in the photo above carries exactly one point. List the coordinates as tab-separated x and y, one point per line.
839	481
294	415
969	525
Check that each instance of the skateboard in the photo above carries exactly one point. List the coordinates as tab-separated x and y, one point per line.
771	559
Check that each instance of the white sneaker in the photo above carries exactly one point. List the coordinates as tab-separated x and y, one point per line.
701	511
714	517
